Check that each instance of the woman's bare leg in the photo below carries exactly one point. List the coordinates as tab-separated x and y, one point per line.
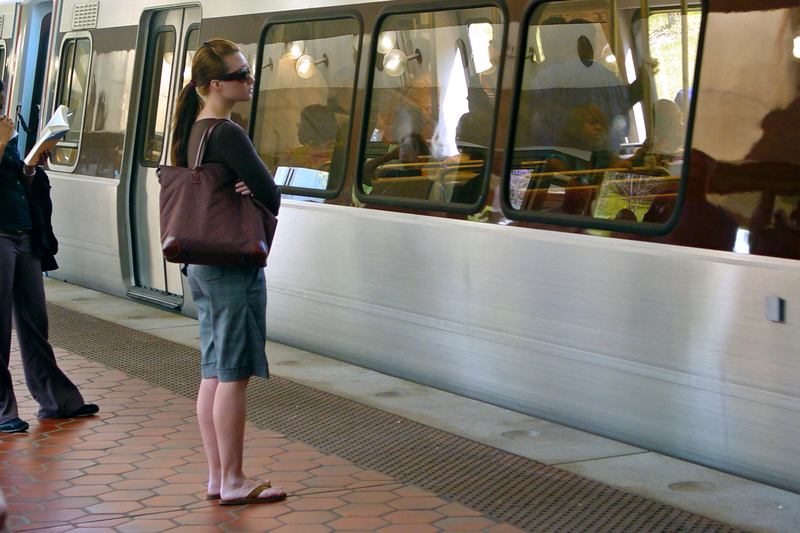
229	420
205	416
230	415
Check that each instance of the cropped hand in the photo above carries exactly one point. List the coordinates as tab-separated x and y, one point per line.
43	158
6	129
242	189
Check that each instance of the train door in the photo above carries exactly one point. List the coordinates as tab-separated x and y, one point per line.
165	66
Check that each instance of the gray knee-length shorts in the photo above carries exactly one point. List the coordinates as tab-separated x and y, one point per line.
232	313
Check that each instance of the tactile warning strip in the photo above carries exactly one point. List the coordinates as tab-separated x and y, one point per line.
501	485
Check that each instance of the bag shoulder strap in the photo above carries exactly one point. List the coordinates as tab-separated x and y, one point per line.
201	150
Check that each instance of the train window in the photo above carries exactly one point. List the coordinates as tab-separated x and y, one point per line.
71	92
599	136
304	99
428	134
156	96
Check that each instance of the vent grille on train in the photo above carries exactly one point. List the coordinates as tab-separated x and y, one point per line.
2	21
84	16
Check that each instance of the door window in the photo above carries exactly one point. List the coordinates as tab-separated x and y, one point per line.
156	97
71	92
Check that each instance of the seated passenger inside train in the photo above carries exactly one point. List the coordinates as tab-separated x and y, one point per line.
665	146
403	161
316	133
576	164
401	172
461	179
570	75
308	165
650	190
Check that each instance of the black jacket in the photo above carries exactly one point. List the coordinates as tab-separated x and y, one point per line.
41	208
21	202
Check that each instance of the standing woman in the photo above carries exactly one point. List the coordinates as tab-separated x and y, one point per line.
27	247
231	301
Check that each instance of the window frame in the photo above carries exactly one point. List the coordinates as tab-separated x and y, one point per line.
419	204
185	52
584	222
295	18
69	37
145	110
3	60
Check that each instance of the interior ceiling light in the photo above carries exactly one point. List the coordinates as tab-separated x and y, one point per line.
295	49
386	41
394	63
306	66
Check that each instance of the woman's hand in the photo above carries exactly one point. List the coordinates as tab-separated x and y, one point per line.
43	158
242	189
30	171
6	130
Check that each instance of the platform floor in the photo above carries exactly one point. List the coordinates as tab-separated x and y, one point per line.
356	450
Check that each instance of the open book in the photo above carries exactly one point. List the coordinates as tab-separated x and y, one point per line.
54	131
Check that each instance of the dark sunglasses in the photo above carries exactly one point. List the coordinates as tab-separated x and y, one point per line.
241	75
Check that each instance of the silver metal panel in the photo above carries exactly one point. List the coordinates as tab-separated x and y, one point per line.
85	223
662	347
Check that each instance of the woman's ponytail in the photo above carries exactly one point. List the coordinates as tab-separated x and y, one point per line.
188	106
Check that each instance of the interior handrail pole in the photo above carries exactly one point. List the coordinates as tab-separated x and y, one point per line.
647	70
614	28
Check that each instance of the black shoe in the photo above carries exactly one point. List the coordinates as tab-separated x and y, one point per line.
15	425
88	409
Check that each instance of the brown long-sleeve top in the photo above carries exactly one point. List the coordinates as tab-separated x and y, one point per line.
230	146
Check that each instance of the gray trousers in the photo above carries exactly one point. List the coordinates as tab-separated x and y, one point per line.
22	295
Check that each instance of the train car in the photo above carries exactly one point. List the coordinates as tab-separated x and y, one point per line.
584	210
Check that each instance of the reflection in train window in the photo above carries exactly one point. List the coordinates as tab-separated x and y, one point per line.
600	132
156	97
71	92
305	93
432	108
749	197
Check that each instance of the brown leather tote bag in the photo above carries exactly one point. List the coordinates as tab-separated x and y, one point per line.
204	221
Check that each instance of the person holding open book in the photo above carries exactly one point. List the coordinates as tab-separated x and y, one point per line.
27	247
